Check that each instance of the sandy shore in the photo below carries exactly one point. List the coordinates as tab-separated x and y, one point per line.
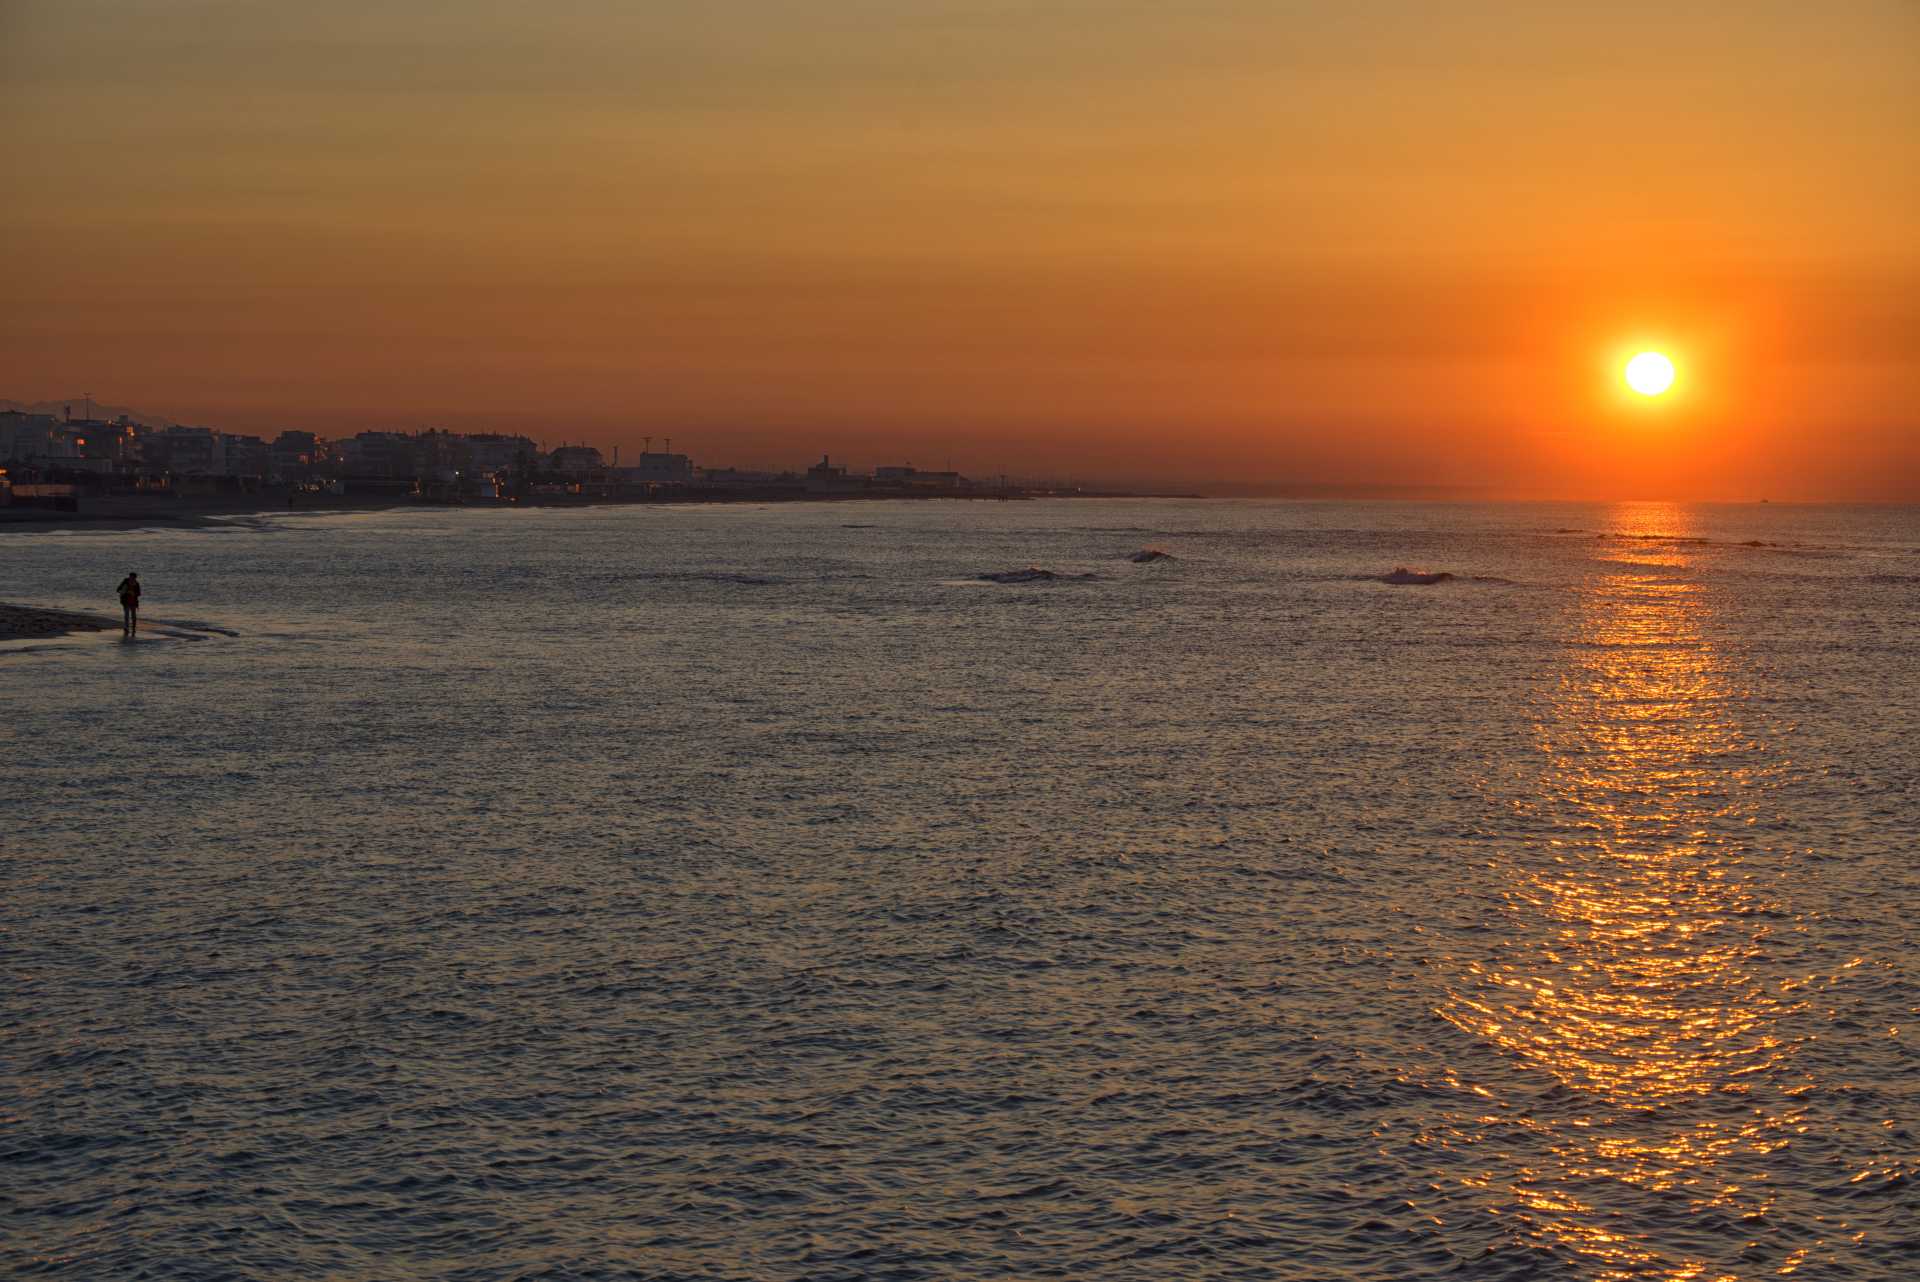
26	622
197	511
124	512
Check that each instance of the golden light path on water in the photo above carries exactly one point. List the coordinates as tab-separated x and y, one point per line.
1631	972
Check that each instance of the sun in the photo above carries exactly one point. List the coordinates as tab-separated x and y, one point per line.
1649	373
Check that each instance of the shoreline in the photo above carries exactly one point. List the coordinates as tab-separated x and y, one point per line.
36	623
120	512
204	513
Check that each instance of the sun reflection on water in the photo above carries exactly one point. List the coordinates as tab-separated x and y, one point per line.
1630	973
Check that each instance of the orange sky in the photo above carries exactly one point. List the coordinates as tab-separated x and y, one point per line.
1228	240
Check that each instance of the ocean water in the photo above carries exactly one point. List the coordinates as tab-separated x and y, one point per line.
804	892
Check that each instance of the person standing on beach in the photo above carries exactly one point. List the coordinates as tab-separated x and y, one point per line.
129	591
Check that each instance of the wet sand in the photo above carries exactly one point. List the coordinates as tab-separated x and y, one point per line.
26	622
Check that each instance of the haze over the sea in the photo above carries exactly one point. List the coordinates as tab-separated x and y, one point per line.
1258	242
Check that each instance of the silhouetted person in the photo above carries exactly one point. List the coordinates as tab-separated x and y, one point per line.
129	591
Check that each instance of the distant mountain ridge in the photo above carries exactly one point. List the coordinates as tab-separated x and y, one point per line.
79	406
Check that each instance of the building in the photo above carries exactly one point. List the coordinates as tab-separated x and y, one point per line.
440	456
92	445
492	454
746	478
183	451
827	476
292	456
246	456
25	437
120	443
907	476
378	456
576	460
662	469
200	452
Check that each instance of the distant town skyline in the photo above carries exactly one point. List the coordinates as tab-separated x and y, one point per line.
1262	244
79	413
781	453
121	466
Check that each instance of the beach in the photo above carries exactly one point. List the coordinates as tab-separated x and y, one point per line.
192	511
215	511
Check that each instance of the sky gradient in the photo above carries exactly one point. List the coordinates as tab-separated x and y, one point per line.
1257	243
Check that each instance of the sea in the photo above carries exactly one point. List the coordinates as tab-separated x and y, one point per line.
958	890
